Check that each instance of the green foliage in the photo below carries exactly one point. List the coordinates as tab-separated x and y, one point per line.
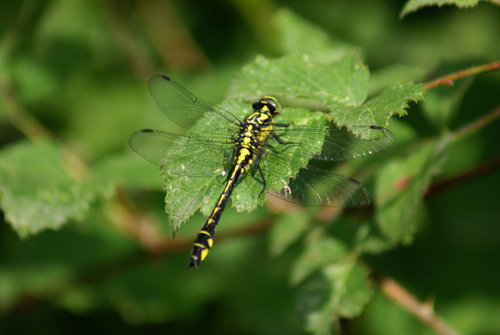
413	5
37	193
341	84
401	187
86	241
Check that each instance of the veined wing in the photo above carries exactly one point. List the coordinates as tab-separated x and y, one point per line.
183	155
318	187
339	144
311	186
182	107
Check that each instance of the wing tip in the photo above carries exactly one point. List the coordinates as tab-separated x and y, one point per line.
154	80
354	181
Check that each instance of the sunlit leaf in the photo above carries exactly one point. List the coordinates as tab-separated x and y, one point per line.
36	191
320	251
414	5
401	185
386	77
340	84
338	289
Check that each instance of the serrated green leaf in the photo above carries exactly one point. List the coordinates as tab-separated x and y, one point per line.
342	85
378	110
386	77
414	5
185	195
320	251
401	185
36	191
338	290
370	240
297	35
342	82
353	289
314	303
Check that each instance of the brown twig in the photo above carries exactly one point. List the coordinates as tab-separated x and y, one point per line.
130	42
476	125
36	131
167	247
474	173
448	80
170	37
421	310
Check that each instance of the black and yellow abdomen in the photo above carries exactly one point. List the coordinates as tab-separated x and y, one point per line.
253	134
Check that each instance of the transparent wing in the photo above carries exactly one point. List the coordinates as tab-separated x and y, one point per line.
339	144
318	187
182	107
311	186
189	156
314	186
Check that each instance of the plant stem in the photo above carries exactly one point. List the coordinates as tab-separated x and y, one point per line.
421	310
448	80
108	269
476	125
466	176
22	120
36	131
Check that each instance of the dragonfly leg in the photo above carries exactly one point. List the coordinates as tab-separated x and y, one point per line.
280	141
263	179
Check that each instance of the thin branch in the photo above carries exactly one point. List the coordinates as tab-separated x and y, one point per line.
476	125
421	310
36	131
474	173
22	120
130	42
170	37
106	270
448	80
109	269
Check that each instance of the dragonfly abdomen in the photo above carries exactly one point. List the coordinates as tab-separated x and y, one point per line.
205	238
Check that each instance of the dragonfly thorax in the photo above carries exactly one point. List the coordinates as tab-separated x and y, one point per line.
255	130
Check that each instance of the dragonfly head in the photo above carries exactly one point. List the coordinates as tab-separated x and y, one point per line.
267	104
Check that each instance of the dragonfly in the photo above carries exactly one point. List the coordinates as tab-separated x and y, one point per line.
257	149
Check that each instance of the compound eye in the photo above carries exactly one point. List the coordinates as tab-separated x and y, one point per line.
272	104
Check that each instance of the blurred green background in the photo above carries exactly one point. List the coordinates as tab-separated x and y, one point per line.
76	71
